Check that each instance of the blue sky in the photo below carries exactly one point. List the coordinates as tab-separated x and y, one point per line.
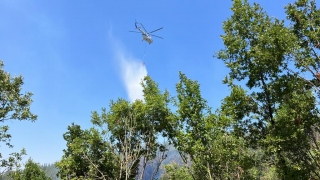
76	56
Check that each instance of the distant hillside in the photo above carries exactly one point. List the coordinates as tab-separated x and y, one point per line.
173	156
51	171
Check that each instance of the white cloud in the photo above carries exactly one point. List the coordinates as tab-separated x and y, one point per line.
132	70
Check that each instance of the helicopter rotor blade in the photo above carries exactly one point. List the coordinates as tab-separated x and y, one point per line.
156	36
143	27
135	31
155	30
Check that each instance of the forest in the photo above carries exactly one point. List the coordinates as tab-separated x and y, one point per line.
266	128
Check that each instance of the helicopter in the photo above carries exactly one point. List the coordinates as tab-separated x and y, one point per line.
146	36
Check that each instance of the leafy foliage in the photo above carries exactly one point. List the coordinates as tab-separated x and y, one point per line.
87	156
31	170
14	105
175	172
125	143
278	114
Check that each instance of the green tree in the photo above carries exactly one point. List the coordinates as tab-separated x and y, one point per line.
123	142
87	156
14	105
175	172
305	18
277	111
31	170
204	139
134	129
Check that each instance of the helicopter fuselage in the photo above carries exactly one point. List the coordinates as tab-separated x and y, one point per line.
145	36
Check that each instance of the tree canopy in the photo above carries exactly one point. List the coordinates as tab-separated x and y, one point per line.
14	105
277	110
